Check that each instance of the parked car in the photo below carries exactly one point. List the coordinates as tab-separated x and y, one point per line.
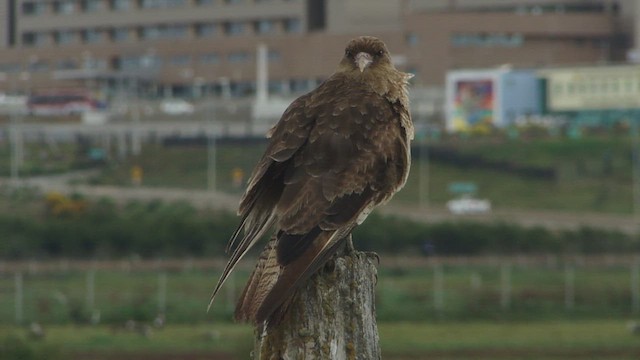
468	205
62	103
176	107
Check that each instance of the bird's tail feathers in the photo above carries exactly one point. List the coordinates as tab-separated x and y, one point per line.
236	235
290	277
247	242
262	279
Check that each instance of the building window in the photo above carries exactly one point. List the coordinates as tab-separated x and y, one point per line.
64	37
144	62
274	55
299	85
175	31
238	57
64	7
412	39
38	66
205	30
292	25
615	86
557	89
92	36
264	26
209	58
10	68
66	64
150	32
33	39
163	32
89	62
161	3
180	60
92	5
119	34
29	39
33	8
234	28
120	5
487	40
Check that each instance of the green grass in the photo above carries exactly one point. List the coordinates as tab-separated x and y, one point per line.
40	158
472	324
470	292
185	167
594	174
522	339
472	340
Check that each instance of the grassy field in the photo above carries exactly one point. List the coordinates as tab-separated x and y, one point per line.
491	291
593	174
603	339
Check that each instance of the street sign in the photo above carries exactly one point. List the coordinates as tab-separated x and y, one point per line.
463	187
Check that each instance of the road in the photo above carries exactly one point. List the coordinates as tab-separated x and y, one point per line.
553	220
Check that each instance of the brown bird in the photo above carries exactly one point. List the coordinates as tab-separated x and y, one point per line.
336	153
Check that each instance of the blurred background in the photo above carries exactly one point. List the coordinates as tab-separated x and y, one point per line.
128	129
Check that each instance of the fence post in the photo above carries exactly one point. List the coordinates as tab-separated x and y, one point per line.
162	292
635	286
331	317
438	288
505	286
19	298
569	287
475	281
91	288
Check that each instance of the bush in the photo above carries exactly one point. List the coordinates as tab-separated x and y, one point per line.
13	347
156	229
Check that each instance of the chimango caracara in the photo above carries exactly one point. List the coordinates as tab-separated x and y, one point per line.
336	153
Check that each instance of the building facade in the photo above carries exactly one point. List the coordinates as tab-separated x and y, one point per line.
196	47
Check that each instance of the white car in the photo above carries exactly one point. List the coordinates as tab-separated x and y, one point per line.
176	107
468	205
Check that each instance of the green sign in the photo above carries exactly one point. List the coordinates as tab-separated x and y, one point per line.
463	187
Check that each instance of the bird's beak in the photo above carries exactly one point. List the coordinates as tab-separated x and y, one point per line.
363	59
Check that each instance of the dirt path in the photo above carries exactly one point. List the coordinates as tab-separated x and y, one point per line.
218	200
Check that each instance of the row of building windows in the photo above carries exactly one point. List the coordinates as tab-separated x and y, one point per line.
135	62
159	32
487	40
210	58
74	6
597	86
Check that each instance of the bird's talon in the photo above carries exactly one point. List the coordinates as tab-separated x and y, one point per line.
371	254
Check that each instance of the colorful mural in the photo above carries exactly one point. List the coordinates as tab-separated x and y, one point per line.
473	104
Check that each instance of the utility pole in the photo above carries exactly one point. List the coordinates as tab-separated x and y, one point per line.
635	169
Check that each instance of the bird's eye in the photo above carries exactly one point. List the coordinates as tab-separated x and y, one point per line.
380	52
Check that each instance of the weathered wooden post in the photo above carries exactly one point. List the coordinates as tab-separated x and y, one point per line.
332	316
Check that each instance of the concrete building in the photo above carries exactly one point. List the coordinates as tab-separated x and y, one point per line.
196	47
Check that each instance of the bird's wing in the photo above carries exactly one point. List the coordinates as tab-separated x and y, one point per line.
355	157
265	185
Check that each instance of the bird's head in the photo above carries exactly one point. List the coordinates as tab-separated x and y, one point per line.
365	54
